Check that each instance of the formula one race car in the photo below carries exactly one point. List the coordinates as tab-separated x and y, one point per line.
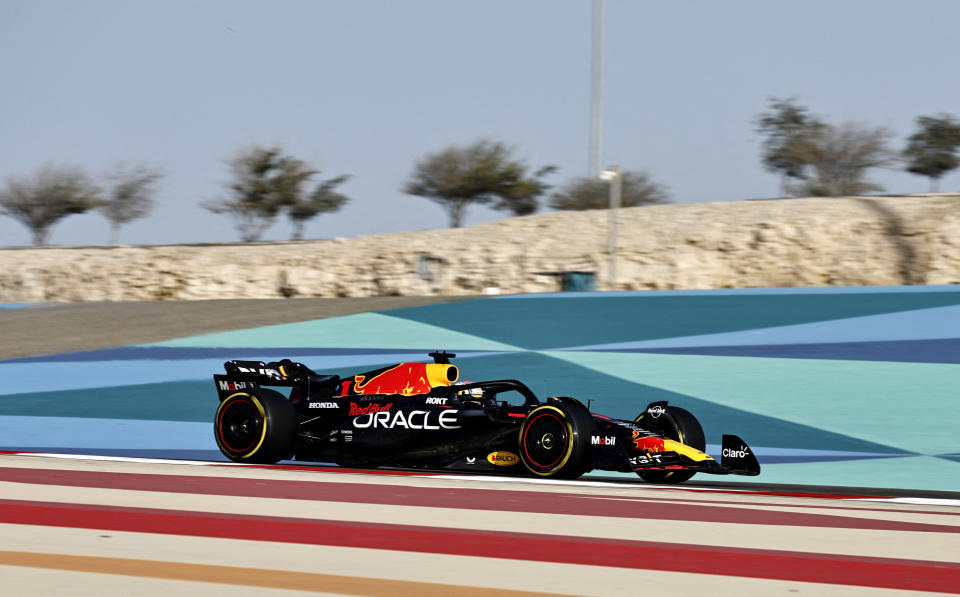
416	415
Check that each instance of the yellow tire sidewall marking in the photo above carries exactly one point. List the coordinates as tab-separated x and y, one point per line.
263	416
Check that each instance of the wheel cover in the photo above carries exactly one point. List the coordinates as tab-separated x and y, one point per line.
240	426
545	440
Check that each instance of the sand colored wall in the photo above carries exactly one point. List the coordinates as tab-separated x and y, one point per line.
777	243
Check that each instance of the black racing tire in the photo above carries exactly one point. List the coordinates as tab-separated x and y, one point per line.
680	425
555	441
256	427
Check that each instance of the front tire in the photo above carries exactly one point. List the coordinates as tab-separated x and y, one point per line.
554	441
255	427
680	425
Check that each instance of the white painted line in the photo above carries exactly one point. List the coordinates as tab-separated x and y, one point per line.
919	501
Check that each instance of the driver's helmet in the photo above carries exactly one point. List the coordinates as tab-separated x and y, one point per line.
469	393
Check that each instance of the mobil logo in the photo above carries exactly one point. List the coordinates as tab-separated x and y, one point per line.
503	458
603	440
232	386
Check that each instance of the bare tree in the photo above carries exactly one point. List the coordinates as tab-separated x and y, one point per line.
324	199
52	193
130	196
483	172
591	193
841	158
265	182
822	159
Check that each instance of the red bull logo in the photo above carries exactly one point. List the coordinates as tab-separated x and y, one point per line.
647	444
357	410
406	379
651	446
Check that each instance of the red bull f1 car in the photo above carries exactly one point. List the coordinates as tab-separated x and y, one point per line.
417	415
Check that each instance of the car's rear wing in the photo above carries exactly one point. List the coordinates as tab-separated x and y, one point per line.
242	375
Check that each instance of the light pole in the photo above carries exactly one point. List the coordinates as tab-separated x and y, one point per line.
596	90
613	176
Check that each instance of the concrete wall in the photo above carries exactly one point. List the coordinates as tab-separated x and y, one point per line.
782	243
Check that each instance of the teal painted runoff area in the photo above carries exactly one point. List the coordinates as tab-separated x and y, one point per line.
363	330
549	323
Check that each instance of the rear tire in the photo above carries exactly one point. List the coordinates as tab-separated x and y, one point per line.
680	425
554	441
255	427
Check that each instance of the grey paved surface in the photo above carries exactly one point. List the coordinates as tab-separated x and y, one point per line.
66	327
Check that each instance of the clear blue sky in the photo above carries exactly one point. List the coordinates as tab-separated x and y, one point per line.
365	87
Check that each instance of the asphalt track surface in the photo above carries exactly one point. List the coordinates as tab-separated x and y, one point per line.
88	526
66	327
